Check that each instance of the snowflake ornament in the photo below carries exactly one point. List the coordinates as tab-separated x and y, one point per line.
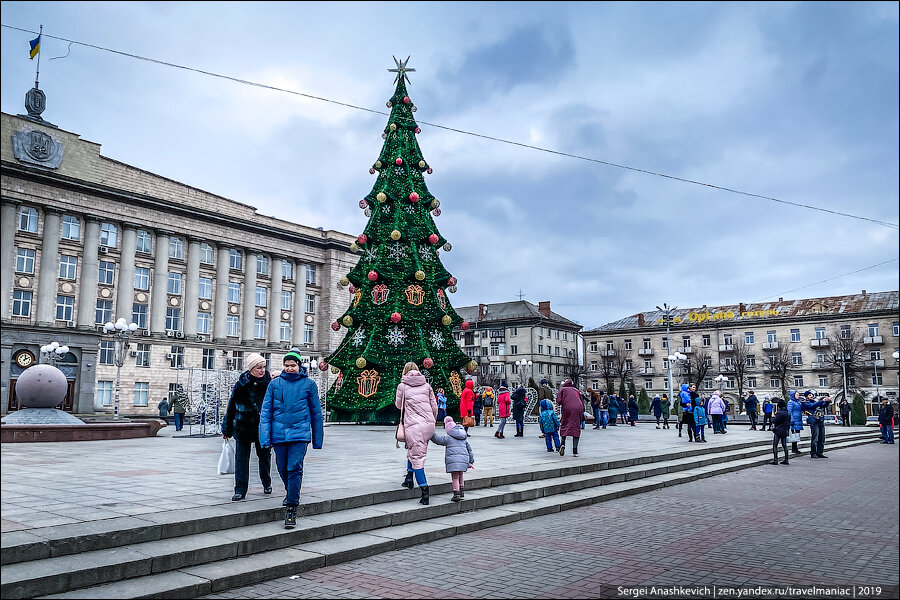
397	252
358	337
425	252
371	254
396	336
437	340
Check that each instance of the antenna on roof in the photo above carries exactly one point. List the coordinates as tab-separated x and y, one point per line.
521	294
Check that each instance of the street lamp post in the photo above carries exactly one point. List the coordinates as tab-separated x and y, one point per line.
673	358
53	352
523	365
120	331
667	316
720	379
843	360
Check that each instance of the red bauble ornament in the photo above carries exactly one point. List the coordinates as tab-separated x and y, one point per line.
371	171
433	238
451	280
373	275
436	212
413	197
406	100
399	161
335	326
464	325
363	203
352	289
395	317
323	365
384	136
417	130
427	363
362	239
429	170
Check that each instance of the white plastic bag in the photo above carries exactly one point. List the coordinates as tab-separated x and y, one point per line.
226	459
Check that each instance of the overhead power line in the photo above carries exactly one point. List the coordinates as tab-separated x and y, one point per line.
464	132
782	294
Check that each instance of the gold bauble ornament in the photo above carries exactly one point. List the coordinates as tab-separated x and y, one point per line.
435	203
344	281
420	275
446	320
361	362
395	235
354	247
377	164
421	164
381	197
335	370
393	127
472	365
347	321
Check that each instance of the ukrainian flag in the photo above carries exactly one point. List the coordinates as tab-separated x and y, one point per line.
35	46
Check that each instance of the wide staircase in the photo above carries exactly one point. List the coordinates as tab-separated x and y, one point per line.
202	551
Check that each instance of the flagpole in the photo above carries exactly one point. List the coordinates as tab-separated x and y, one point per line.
37	73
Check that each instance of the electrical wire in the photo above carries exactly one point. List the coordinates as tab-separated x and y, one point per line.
803	287
470	133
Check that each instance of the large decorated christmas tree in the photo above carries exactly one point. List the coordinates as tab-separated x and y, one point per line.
399	311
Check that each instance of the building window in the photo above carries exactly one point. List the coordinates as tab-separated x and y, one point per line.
21	303
484	351
875	355
104	392
823	380
28	219
728	362
259	329
730	384
204	288
287	298
798	381
796	359
234	292
310	303
628	344
107	354
592	347
261	294
895	328
751	360
540	367
686	341
728	339
232	324
751	382
514	349
594	366
877	379
287	269
555	349
285	331
609	345
308	334
262	265
141	278
173	319
109	235
820	333
203	322
173	286
845	332
64	307
209	358
707	341
139	315
177	357
748	337
795	335
142	355
708	384
771	337
310	274
206	254
71	228
873	329
707	360
665	344
144	242
141	393
176	248
774	382
540	348
566	336
515	331
235	260
25	260
557	334
104	311
106	272
68	265
628	365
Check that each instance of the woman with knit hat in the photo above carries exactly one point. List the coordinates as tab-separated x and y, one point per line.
242	422
291	418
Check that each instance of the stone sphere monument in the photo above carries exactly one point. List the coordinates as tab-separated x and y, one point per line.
41	386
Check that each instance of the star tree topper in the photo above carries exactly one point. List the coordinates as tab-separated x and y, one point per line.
401	70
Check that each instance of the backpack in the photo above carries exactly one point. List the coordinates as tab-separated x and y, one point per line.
488	401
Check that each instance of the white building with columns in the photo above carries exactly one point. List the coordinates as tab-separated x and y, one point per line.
87	239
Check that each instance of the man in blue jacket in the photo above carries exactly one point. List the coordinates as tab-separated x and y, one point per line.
797	405
291	418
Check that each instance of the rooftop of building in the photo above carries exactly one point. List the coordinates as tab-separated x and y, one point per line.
518	310
862	303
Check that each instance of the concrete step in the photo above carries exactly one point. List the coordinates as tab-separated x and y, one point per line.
340	521
307	555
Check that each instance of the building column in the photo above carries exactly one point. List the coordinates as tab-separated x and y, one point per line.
8	219
249	298
87	290
191	287
299	320
220	311
125	283
158	294
46	296
275	302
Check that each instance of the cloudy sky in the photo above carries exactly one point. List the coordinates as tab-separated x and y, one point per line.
792	101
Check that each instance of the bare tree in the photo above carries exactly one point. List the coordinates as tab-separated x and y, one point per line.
574	370
739	368
846	352
621	359
698	367
781	364
608	372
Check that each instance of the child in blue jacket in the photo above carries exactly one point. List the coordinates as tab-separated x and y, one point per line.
549	423
699	421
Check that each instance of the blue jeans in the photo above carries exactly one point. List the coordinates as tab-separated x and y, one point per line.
889	434
289	459
242	465
596	416
699	433
604	418
419	473
179	421
551	439
817	441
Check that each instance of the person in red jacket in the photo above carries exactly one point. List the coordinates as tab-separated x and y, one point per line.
467	401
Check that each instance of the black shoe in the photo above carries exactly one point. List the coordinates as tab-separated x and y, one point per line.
267	490
455	497
408	481
284	502
424	498
462	492
813	456
785	462
237	497
821	456
774	462
562	450
575	453
290	517
551	449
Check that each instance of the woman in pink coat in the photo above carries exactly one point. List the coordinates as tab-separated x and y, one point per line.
572	412
503	404
418	403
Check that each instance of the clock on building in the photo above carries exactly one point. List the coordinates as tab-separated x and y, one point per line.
24	358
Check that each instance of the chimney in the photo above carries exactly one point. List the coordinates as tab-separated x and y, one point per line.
482	311
864	292
780	299
544	308
741	307
640	319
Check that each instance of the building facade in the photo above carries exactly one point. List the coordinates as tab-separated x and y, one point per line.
87	240
766	347
502	338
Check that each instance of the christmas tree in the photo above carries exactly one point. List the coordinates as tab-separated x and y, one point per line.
399	311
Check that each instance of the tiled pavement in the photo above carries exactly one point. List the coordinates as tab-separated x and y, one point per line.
814	523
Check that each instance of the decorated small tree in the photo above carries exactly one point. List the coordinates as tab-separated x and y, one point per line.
399	310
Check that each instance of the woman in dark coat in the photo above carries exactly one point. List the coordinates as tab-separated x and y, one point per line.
632	410
571	408
519	403
782	424
242	422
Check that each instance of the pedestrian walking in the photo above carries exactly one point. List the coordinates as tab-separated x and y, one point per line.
442	404
550	424
632	411
845	411
725	414
179	406
163	407
503	404
242	422
623	409
656	408
613	409
782	425
604	409
467	405
571	408
666	410
417	402
687	410
595	407
715	409
478	408
488	401
458	456
700	421
752	406
519	403
289	420
886	420
767	413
